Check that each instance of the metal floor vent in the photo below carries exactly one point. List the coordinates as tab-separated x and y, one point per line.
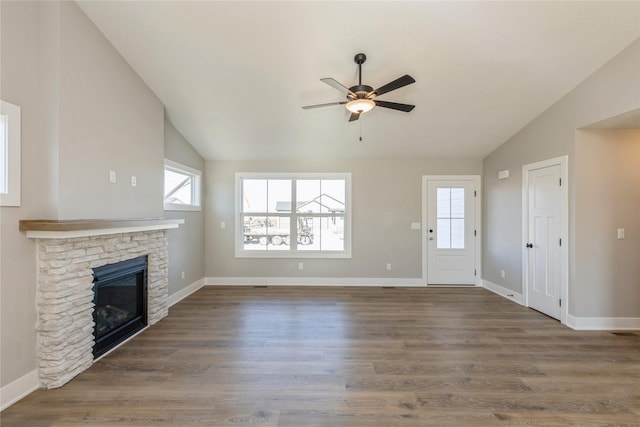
625	334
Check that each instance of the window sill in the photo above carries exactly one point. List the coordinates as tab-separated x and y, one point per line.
175	207
292	255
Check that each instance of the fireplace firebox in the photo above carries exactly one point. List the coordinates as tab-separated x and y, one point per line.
120	298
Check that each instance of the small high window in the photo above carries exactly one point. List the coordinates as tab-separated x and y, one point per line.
9	154
182	187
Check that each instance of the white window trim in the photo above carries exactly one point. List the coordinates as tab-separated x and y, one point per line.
239	247
197	187
12	112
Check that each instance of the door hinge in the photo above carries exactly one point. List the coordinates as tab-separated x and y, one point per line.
475	193
475	232
560	242
475	272
560	302
560	182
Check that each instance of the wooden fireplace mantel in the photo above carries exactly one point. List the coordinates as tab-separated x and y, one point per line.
59	229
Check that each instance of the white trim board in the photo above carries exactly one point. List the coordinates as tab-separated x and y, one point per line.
603	323
573	322
185	292
314	281
18	389
503	292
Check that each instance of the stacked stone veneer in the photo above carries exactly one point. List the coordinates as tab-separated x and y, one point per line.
65	295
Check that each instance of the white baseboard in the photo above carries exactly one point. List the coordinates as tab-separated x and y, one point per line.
574	322
314	281
18	389
185	292
603	323
503	292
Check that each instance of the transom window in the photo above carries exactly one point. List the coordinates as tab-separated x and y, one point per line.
181	187
293	215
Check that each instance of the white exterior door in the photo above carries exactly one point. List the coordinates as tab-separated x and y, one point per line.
543	260
451	232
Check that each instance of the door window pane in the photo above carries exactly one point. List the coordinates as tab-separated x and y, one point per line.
444	233
457	203
457	233
443	203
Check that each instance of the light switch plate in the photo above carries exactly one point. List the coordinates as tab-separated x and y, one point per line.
620	233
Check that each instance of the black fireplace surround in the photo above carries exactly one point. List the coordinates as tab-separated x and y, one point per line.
120	298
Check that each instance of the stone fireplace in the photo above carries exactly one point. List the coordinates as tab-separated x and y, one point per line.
67	254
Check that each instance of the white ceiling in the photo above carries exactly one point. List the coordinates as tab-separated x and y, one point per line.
233	75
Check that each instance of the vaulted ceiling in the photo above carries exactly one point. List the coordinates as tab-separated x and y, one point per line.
234	75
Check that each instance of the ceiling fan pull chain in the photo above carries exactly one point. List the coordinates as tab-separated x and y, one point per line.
360	130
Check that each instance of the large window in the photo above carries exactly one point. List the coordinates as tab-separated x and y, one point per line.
182	190
293	215
9	154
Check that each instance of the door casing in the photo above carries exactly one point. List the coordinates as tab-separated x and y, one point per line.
478	220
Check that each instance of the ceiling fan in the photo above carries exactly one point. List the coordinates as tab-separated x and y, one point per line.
362	98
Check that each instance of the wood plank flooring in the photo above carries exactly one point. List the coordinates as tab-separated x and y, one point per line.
292	356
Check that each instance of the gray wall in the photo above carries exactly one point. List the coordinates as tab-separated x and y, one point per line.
20	77
611	91
84	112
386	198
108	120
186	243
607	175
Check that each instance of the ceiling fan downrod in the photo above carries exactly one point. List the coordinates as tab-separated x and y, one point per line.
363	90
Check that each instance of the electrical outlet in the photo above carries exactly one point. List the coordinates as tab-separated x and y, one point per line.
112	177
389	266
502	274
134	181
300	266
183	275
223	225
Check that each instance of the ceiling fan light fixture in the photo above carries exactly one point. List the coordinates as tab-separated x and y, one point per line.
360	105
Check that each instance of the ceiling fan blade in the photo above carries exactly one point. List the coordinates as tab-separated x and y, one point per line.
394	105
396	84
354	117
307	107
337	85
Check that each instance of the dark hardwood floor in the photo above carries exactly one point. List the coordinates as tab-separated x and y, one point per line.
291	356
